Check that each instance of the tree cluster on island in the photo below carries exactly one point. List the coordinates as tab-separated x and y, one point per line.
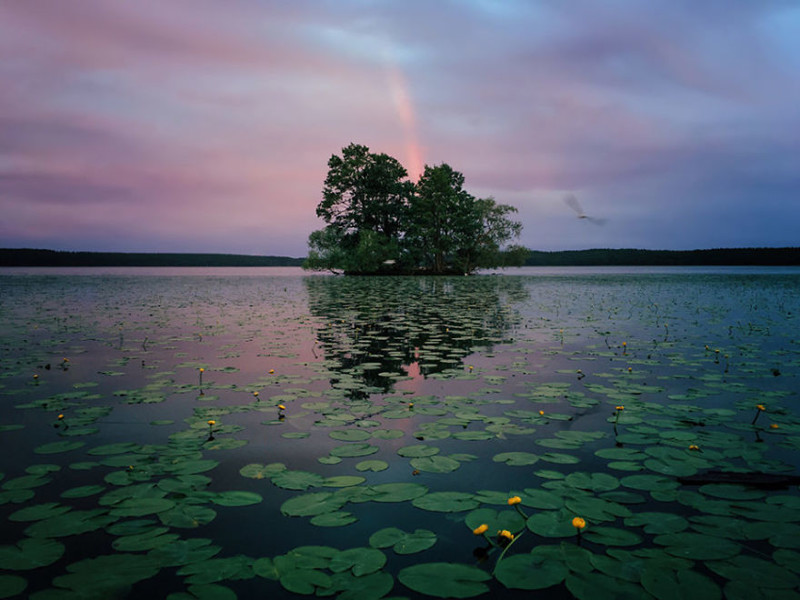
380	223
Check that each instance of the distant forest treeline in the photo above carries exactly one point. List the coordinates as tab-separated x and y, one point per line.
25	257
631	257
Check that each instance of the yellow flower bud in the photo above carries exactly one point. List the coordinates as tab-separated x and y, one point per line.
578	523
514	500
480	529
281	407
212	422
505	534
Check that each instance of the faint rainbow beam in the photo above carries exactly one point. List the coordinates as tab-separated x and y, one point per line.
398	85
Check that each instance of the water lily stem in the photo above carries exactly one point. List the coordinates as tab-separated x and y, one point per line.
503	553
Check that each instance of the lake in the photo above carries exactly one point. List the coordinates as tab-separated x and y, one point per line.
214	433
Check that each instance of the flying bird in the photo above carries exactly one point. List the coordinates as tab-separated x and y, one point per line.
571	201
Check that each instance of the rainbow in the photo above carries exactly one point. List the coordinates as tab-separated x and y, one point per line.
405	112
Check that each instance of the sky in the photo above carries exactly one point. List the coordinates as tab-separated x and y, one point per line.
206	126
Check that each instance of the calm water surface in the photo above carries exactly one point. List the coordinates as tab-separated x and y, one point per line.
143	435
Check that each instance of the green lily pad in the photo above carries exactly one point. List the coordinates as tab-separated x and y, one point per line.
755	572
372	465
137	507
39	511
435	464
235	498
312	504
418	451
218	569
361	561
334	519
297	480
596	482
59	447
666	584
367	587
402	542
397	492
446	502
305	581
30	553
353	450
187	516
111	449
445	580
541	499
530	572
598	586
657	522
184	552
350	435
259	471
509	520
553	524
516	459
120	571
83	491
696	546
612	536
12	585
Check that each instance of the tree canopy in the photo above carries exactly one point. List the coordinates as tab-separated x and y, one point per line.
379	222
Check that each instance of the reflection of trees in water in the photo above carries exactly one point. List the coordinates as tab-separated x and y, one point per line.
377	326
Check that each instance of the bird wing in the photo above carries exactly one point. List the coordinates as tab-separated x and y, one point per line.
571	201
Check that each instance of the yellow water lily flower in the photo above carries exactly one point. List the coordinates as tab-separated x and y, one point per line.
514	500
541	413
271	371
773	426
60	417
202	370
480	529
578	523
212	422
761	407
620	408
281	407
505	534
694	447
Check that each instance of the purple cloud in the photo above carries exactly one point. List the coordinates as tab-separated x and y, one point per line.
203	126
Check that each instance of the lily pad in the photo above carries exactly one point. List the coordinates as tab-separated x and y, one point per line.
372	465
312	504
402	542
445	580
516	459
435	464
530	572
446	502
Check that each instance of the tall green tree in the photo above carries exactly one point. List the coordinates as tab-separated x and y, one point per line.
364	203
437	212
452	230
379	222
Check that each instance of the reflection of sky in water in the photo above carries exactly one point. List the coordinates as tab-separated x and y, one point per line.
477	357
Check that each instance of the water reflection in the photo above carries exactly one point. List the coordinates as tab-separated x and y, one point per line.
380	329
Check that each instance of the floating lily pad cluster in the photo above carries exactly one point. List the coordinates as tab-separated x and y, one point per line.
347	437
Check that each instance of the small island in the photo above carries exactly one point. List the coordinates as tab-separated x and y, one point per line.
380	223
